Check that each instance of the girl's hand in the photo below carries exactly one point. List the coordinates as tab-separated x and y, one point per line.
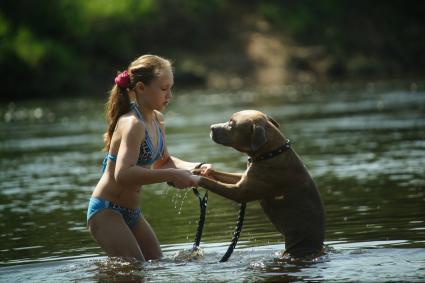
182	179
206	169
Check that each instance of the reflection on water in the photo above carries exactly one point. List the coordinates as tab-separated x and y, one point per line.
364	145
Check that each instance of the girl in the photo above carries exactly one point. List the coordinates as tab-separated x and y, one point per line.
136	155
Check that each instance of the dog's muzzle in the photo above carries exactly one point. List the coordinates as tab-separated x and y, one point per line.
215	132
220	133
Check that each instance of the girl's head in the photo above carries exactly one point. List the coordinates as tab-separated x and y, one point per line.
148	81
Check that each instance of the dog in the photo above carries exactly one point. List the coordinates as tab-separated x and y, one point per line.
275	176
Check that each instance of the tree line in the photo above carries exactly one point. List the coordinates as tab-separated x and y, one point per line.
51	48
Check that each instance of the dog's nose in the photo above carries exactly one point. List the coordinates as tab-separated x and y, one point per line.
214	129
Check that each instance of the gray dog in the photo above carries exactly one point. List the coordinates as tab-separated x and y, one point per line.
275	176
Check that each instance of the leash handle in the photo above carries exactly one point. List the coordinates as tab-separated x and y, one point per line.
236	233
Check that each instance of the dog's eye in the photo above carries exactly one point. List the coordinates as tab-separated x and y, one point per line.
231	123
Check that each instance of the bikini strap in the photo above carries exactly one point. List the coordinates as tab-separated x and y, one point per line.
137	111
160	134
139	115
160	147
108	156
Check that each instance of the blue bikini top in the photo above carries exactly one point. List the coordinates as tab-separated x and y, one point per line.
147	155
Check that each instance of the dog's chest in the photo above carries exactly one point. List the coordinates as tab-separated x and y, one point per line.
269	177
278	210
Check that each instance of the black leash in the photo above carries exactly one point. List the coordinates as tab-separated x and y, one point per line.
203	204
236	234
203	209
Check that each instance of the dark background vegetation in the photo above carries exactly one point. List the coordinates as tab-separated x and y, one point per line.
57	48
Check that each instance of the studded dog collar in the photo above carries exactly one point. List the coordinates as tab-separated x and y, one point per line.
271	154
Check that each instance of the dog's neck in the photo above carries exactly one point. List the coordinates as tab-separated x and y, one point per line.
277	143
270	154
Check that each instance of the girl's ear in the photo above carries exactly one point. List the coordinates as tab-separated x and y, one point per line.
140	86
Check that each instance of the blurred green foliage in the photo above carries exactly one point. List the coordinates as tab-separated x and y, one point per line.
388	32
64	47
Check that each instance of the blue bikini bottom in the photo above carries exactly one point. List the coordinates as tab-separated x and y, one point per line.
130	215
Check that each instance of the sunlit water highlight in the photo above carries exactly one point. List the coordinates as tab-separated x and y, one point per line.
364	145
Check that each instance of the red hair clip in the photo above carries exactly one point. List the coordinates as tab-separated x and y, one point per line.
122	80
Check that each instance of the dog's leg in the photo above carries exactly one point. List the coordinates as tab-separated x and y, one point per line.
230	191
224	177
242	191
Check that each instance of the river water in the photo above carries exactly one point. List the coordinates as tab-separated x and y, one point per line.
363	143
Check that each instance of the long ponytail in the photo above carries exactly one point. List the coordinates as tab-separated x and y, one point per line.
117	105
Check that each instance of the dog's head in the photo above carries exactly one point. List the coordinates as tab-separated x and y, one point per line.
245	131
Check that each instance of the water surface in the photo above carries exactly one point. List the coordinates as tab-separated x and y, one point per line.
364	144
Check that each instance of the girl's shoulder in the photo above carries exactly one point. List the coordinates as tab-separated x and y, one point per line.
128	123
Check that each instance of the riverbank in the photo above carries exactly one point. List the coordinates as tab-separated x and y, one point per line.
259	55
62	48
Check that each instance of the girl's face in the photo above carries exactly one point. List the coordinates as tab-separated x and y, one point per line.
157	95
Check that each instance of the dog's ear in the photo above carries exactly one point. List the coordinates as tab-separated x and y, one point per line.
258	137
273	121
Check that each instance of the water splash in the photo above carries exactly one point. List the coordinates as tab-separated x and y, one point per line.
194	254
181	204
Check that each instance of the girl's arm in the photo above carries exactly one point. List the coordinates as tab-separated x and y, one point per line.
128	173
169	161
